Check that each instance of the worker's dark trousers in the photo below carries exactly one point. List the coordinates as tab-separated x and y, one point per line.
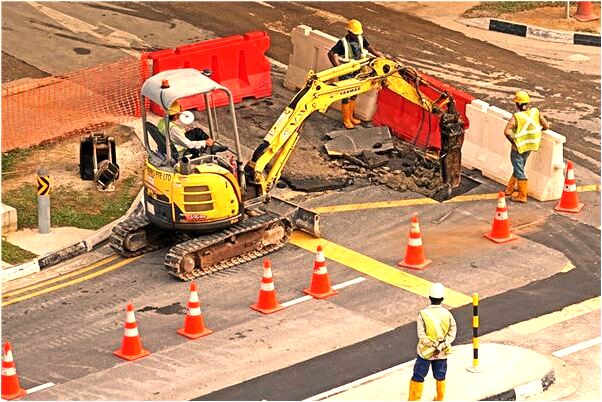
196	134
421	369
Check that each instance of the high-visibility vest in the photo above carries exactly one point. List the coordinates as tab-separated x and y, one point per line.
348	53
527	134
162	130
436	325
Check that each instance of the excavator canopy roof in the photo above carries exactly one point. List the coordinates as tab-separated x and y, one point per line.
182	83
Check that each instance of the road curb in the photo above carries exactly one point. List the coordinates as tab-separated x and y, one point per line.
71	251
528	31
526	390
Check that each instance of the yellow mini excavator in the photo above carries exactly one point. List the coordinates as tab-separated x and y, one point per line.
216	212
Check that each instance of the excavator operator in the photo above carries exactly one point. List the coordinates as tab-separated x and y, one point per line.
194	140
352	46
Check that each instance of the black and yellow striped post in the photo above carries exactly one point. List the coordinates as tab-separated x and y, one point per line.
43	201
475	335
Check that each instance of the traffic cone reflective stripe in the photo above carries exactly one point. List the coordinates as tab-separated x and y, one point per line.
194	324
500	230
131	344
319	287
266	301
414	258
10	382
569	202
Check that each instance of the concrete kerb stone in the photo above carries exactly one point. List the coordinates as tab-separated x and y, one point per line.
528	31
526	390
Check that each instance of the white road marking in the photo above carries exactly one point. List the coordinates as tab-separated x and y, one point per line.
578	347
358	382
336	287
39	387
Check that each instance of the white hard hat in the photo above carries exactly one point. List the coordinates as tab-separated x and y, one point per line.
437	291
187	117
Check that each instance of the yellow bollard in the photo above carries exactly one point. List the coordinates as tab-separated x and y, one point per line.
475	335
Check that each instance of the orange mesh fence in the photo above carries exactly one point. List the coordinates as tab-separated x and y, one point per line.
34	111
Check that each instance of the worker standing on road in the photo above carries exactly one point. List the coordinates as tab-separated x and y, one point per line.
195	140
436	329
524	133
352	46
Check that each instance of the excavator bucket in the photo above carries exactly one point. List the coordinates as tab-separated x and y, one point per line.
302	218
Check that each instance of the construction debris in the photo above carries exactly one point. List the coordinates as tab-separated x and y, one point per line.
353	142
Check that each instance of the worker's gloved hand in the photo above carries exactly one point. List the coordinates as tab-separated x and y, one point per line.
209	142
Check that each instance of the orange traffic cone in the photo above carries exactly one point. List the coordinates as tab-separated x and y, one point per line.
414	258
266	302
585	11
320	281
500	231
10	381
569	202
194	325
131	345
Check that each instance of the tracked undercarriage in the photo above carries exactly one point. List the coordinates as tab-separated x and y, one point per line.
262	232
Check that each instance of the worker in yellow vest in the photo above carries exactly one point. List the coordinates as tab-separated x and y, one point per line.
194	140
436	329
352	46
524	133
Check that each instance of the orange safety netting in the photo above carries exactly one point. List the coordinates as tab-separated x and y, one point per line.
34	111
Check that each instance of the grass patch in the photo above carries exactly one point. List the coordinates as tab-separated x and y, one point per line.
85	210
11	158
14	254
498	8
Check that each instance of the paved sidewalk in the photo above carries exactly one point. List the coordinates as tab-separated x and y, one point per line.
508	373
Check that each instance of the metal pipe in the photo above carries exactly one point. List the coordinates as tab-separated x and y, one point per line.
241	175
43	201
143	115
209	117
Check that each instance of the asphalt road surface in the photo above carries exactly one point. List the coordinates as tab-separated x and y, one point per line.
67	335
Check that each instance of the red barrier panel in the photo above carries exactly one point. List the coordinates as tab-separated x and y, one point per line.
237	62
409	121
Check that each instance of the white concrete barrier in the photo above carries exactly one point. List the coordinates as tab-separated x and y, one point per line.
310	52
485	148
20	271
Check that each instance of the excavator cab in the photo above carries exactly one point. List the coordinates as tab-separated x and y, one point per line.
184	191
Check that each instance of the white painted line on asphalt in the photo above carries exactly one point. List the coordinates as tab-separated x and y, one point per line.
40	387
336	287
349	283
578	347
358	382
297	301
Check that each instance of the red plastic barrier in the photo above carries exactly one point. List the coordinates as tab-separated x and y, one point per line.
404	117
237	62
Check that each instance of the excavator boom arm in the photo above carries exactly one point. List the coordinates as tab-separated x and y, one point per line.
317	95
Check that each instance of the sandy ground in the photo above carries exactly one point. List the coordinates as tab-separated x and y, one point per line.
555	18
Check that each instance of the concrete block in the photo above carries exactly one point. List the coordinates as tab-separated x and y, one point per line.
9	219
19	271
310	52
486	149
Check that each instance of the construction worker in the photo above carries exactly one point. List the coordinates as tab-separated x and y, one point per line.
352	46
195	140
436	329
524	133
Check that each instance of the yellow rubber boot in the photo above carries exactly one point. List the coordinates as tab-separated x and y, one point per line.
415	390
351	111
346	111
522	192
510	187
440	390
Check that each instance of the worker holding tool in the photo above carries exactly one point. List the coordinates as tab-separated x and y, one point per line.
196	140
352	46
436	329
524	133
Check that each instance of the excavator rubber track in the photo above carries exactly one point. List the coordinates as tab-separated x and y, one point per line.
154	238
253	226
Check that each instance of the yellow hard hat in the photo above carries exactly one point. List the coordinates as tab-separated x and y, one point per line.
175	108
355	27
521	97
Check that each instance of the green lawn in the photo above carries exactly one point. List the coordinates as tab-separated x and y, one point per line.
15	255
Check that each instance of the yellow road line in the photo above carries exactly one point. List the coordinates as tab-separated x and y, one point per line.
72	282
421	201
60	278
567	313
375	269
